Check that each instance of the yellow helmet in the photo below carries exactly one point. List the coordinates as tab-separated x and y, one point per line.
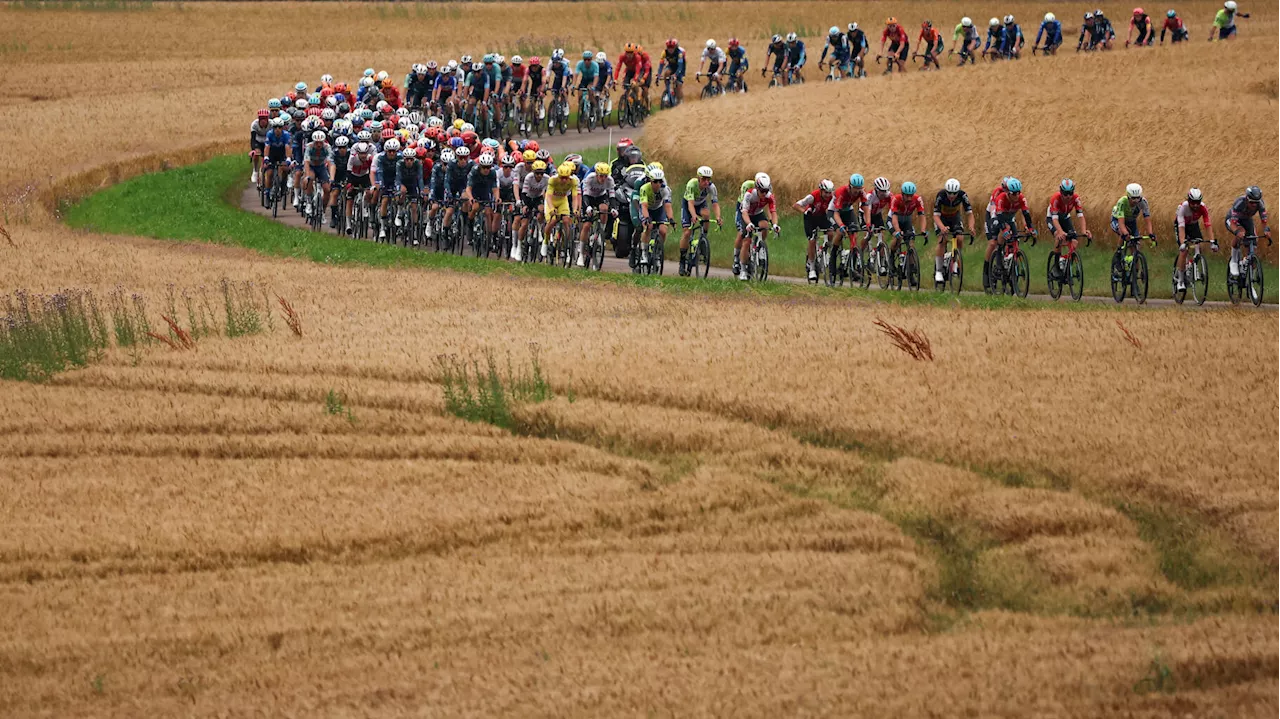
539	166
530	155
602	168
565	169
458	123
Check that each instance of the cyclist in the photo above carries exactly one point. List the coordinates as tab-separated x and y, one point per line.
1105	34
482	181
966	38
1058	219
276	152
873	212
778	51
603	76
1006	201
995	38
533	188
738	63
1124	220
845	212
671	66
1174	25
1141	22
899	47
1192	213
796	56
479	87
1051	31
905	210
652	204
442	93
531	92
1239	222
629	67
318	167
628	155
409	180
814	206
341	158
930	42
359	165
1013	41
757	208
585	72
838	46
948	204
563	199
307	125
417	85
258	130
700	197
646	76
713	60
560	75
454	180
1225	21
597	188
384	178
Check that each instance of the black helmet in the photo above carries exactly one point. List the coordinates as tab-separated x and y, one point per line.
1254	193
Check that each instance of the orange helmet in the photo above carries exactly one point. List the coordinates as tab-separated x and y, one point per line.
631	47
891	21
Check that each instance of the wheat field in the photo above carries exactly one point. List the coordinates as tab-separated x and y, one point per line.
733	505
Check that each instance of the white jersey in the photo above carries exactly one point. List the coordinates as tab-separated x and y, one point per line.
715	55
533	187
597	185
259	130
507	177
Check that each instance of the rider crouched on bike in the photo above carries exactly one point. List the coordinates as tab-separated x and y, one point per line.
838	45
814	206
672	66
738	63
482	182
1062	204
950	202
533	188
1192	214
845	212
899	45
410	181
713	61
906	210
597	189
700	196
1124	219
1239	222
758	209
965	40
652	204
1006	202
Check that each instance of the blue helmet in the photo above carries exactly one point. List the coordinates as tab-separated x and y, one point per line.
1068	186
855	180
908	188
1172	13
1015	185
273	103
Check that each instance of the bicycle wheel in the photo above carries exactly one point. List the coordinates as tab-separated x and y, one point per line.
1119	283
702	259
1199	279
659	256
1253	281
1051	276
762	262
1021	275
913	269
582	116
597	252
1139	277
957	272
1178	294
1075	276
880	260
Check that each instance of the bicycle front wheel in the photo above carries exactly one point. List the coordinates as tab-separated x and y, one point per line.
884	272
1199	280
1139	278
1178	294
957	272
1050	276
702	260
913	270
1253	281
1021	275
1119	285
1075	275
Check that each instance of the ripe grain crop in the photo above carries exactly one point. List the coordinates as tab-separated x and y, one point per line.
731	505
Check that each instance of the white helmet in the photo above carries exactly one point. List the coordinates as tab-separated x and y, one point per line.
341	141
392	145
382	76
364	136
408	153
326	79
434	121
402	111
763	182
317	136
1008	19
791	37
966	21
466	59
657	175
704	171
467	127
995	22
446	155
601	57
486	160
1195	195
882	184
833	31
1133	190
360	148
827	186
952	186
517	60
499	59
853	26
462	152
1230	5
328	114
419	68
453	65
1049	17
711	44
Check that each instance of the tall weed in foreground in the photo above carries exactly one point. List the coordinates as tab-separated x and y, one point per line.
480	392
41	335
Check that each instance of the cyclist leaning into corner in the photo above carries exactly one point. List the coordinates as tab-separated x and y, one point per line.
1104	33
756	208
857	50
965	39
838	45
995	38
604	75
1239	222
1051	31
652	204
873	212
1006	202
814	206
1174	25
597	188
899	46
1057	217
1012	39
906	210
1124	220
258	130
1224	23
845	213
948	205
1141	22
672	66
1192	214
713	59
796	56
931	45
738	63
777	51
699	199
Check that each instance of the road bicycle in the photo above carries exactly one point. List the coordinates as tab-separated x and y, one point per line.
1066	270
848	264
481	240
775	79
278	193
669	99
1010	273
929	59
758	258
794	77
504	238
593	248
560	243
629	110
650	257
875	258
1129	269
359	213
1195	274
713	88
586	111
407	228
698	261
1249	280
735	83
315	208
558	113
953	261
531	243
906	263
836	72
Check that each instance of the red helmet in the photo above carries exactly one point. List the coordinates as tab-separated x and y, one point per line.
624	142
293	96
733	42
264	114
672	43
325	92
340	88
388	133
470	137
1137	11
535	60
422	153
314	111
533	145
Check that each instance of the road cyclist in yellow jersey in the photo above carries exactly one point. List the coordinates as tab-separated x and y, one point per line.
563	200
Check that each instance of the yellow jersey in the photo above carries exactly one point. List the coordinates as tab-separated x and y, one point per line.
562	187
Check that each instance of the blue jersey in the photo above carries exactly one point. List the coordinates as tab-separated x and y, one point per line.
1052	32
1012	38
795	53
838	45
559	70
737	59
606	72
586	69
995	38
281	139
409	175
482	184
479	80
446	81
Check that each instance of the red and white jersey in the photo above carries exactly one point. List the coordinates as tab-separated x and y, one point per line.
755	203
814	202
878	203
1188	215
906	206
1008	203
847	198
1061	204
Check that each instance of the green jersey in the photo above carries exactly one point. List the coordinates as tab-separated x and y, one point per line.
1127	209
652	197
699	196
1224	20
747	186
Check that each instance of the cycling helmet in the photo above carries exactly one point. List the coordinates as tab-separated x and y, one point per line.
853	26
926	24
539	166
564	170
331	101
392	145
264	114
277	122
533	145
1172	13
458	122
1050	17
387	133
427	143
415	117
301	103
329	114
447	156
629	47
467	127
382	76
317	136
1004	182
672	43
488	58
908	188
704	171
360	148
601	57
535	60
364	136
452	66
300	87
543	155
952	186
966	21
652	167
465	60
775	39
995	22
529	155
711	44
1098	13
486	160
624	143
273	104
763	183
833	31
1138	11
576	159
431	65
791	37
462	153
1230	5
402	111
587	55
891	20
477	66
1133	190
508	160
367	114
856	180
456	142
826	187
490	142
1254	193
341	141
366	82
882	184
1014	185
409	153
733	42
557	54
500	59
1008	19
418	68
1067	185
601	169
656	176
517	60
1194	195
368	72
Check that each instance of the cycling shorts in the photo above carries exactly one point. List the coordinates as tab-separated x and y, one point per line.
255	144
477	93
1226	32
657	214
358	182
321	172
585	83
413	190
1130	223
275	154
445	95
1063	221
815	221
1244	222
686	220
507	194
901	49
952	222
1190	232
558	206
387	182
